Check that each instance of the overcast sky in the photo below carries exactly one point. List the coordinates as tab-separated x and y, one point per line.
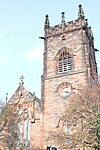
21	24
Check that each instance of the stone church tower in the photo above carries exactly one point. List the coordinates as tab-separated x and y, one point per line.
69	63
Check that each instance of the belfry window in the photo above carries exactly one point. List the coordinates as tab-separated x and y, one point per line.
65	62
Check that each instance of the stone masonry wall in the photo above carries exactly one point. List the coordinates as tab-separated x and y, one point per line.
53	104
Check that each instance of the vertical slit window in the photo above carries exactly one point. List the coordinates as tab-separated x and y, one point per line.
60	66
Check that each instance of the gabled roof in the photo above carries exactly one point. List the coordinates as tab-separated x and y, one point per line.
26	95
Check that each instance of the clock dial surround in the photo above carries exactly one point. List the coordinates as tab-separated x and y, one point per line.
64	90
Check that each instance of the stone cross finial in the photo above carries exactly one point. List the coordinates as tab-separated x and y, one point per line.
47	24
80	12
21	80
63	21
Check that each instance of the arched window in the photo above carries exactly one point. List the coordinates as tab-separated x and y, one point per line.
65	62
27	130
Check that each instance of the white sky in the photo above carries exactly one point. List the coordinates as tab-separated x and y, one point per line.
21	25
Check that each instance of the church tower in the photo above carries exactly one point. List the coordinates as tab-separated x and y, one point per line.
69	64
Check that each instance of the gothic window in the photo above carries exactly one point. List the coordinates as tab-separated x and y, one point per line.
65	62
24	128
68	130
27	131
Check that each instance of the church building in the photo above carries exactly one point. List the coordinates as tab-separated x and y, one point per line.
69	63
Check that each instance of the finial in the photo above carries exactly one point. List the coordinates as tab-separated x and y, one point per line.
90	31
47	24
21	80
33	93
63	24
80	12
86	23
92	36
6	97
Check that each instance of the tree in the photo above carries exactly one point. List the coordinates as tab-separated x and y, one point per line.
9	131
81	120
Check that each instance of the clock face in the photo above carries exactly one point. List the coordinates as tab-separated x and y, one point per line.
64	90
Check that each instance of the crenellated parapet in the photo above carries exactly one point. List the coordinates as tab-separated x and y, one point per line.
65	27
68	27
